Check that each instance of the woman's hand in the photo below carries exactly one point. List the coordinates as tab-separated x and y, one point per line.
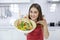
45	28
26	17
42	22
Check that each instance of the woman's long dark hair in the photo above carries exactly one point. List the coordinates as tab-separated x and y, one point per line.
37	6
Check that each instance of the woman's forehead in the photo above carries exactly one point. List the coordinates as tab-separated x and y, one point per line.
33	9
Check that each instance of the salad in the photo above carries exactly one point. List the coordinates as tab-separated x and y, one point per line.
24	24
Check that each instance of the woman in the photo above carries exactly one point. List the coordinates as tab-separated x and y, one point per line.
41	30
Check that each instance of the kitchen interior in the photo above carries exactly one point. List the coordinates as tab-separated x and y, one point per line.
10	10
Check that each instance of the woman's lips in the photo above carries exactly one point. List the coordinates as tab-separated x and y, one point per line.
33	16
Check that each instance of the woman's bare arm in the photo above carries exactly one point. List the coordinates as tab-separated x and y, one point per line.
46	33
45	28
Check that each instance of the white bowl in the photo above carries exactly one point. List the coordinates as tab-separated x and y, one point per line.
28	31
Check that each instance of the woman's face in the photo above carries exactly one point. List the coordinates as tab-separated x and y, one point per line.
34	13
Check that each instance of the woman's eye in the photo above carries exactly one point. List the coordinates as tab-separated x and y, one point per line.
30	11
35	12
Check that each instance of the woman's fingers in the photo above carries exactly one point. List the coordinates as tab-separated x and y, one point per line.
25	16
41	22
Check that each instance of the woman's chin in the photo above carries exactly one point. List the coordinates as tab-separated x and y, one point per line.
33	19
